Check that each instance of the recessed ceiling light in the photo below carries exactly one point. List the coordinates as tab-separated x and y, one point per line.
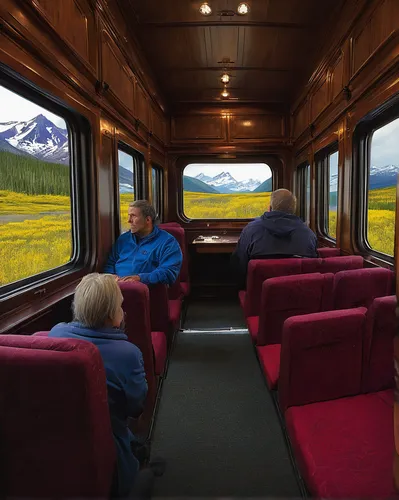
205	9
243	9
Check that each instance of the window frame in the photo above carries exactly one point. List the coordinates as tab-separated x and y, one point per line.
303	174
274	162
362	140
80	140
159	185
322	188
138	177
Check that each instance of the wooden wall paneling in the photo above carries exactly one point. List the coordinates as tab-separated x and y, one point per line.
320	98
301	119
142	106
74	22
254	127
337	77
116	73
158	124
199	128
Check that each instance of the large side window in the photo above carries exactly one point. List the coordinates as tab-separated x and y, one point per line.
226	190
37	230
130	166
383	167
327	180
157	188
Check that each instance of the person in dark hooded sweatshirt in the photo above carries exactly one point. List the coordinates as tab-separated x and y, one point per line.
278	233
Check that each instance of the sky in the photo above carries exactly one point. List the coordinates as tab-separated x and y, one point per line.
16	108
240	171
385	145
125	160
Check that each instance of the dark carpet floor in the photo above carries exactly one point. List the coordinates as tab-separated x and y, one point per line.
214	313
217	427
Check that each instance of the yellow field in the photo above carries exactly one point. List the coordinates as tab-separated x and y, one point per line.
225	206
125	199
40	237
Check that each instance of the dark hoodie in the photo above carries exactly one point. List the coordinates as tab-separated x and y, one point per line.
274	234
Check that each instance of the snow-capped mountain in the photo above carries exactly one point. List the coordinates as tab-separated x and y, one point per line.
38	137
225	183
385	176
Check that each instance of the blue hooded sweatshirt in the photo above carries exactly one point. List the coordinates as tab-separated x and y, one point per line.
156	258
126	385
273	234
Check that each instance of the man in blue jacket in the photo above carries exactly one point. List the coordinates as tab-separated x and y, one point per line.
277	233
145	253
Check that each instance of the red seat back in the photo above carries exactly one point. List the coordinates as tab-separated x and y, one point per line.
261	270
359	287
329	252
159	308
136	305
321	357
56	437
178	232
288	296
381	327
343	263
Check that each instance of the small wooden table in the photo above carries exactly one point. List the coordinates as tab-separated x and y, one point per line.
215	244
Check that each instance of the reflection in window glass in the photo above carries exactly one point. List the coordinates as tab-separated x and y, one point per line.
35	201
332	194
381	206
126	186
226	191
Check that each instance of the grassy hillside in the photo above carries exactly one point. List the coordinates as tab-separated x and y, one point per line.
25	174
196	186
265	187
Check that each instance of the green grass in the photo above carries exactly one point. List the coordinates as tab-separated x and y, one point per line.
24	174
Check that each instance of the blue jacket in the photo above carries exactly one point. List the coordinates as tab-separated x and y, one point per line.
126	384
274	234
156	258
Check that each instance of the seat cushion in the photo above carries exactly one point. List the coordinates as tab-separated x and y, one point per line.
174	313
185	288
269	358
160	347
344	447
253	327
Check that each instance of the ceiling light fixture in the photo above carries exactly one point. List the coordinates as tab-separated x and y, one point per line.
225	78
242	9
225	94
205	9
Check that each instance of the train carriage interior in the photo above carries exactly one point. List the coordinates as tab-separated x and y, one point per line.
281	385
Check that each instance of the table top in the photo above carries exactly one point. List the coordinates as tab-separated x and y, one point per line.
213	239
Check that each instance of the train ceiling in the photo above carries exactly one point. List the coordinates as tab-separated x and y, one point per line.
271	51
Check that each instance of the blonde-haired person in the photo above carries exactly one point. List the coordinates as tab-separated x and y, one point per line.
98	318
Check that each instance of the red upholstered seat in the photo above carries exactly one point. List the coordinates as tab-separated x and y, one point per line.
288	296
253	327
321	357
358	288
381	327
175	313
56	436
328	252
160	347
242	294
269	358
344	448
177	290
343	263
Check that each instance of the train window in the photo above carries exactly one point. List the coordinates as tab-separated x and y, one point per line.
303	191
226	190
36	223
156	183
327	162
381	188
129	168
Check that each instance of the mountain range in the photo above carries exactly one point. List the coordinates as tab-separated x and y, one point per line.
42	139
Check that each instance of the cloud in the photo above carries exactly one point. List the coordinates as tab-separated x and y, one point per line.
385	145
